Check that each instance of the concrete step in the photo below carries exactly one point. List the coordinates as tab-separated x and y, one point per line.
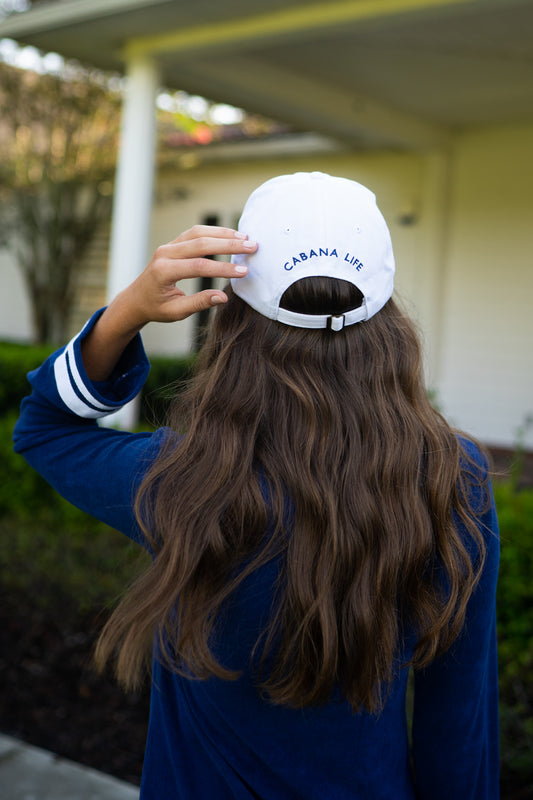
29	773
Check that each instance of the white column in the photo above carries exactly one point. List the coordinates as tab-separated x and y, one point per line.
132	201
134	179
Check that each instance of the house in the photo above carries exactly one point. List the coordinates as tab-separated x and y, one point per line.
429	102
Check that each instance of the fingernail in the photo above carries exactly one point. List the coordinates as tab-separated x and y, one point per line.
249	245
241	270
216	300
239	235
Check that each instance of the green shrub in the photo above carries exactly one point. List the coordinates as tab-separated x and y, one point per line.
16	360
72	562
515	587
167	376
51	549
515	633
23	493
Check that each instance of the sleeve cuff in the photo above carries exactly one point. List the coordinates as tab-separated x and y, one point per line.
88	399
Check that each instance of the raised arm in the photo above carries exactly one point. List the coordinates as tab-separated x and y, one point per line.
103	368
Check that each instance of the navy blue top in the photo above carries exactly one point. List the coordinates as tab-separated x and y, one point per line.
221	739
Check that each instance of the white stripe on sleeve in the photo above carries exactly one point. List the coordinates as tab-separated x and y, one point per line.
86	405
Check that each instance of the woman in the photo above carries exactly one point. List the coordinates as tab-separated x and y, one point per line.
318	530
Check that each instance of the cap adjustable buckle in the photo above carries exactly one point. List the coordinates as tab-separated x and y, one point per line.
336	323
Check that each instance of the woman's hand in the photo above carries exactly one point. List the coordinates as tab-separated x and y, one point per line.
155	295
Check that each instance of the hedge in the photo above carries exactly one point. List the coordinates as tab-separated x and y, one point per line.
166	377
166	373
515	635
16	360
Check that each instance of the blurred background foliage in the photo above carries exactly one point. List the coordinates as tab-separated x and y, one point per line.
59	134
59	138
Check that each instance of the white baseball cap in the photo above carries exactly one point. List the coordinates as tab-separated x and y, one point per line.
312	224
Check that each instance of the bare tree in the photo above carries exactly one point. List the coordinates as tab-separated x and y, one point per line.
58	137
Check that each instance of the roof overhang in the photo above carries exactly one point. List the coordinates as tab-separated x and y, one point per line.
395	73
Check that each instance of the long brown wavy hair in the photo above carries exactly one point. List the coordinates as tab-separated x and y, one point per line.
339	429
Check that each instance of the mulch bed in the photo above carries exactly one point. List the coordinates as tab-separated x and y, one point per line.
52	698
